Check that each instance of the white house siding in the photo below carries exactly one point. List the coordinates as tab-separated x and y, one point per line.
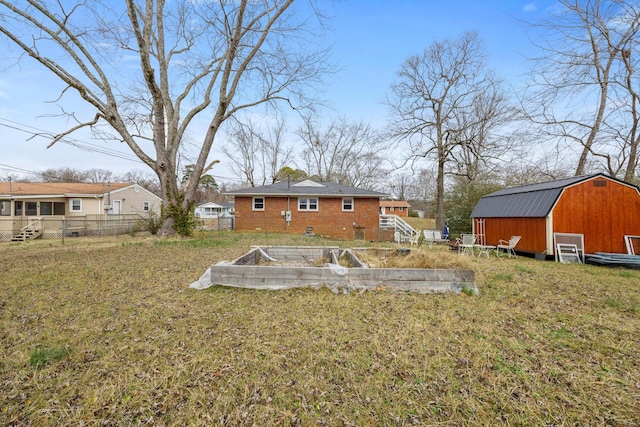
133	201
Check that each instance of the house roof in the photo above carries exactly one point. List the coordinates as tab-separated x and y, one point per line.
216	205
57	189
394	203
306	188
530	201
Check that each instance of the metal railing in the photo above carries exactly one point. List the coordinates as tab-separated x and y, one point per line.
405	231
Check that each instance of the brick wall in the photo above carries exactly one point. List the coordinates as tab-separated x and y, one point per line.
329	220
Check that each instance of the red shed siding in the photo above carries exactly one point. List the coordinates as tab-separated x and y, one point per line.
531	231
328	221
604	214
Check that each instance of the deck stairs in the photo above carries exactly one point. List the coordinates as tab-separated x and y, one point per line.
31	231
403	231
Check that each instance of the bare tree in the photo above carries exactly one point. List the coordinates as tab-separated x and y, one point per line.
488	133
629	82
417	187
400	185
145	179
349	153
573	94
65	174
97	175
256	154
432	104
186	61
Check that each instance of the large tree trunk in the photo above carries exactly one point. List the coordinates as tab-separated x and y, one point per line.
632	162
440	195
177	206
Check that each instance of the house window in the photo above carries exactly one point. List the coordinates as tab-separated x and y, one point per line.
401	208
46	208
31	208
18	208
391	208
58	208
258	203
146	206
76	205
308	204
347	204
5	208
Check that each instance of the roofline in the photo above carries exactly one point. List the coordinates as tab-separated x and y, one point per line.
96	195
48	196
305	194
587	178
562	190
77	195
132	186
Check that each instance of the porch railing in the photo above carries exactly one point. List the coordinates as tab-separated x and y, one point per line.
405	231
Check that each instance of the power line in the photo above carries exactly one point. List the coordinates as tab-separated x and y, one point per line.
10	168
82	145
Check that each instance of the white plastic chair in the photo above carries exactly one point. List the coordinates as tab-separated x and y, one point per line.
465	244
508	246
429	237
415	239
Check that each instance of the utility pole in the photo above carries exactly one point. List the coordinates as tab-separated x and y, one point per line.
107	208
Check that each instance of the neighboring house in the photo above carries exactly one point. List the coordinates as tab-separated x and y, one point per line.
214	210
29	210
321	208
394	207
601	208
42	199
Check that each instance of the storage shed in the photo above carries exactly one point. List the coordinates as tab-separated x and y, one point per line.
601	208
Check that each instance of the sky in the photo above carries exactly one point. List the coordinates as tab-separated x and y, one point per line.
370	38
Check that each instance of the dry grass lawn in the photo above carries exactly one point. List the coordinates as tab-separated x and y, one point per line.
107	332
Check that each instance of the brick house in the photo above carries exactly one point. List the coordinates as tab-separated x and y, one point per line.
321	208
395	207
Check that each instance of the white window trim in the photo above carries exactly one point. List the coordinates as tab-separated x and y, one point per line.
253	203
146	206
353	202
71	209
308	209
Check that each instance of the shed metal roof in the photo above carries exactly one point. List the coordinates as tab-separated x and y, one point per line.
529	201
306	188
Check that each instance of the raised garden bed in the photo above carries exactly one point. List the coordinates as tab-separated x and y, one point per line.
286	267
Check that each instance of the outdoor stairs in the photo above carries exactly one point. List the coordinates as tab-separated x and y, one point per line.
29	232
403	231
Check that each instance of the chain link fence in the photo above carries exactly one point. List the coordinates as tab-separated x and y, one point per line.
56	227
